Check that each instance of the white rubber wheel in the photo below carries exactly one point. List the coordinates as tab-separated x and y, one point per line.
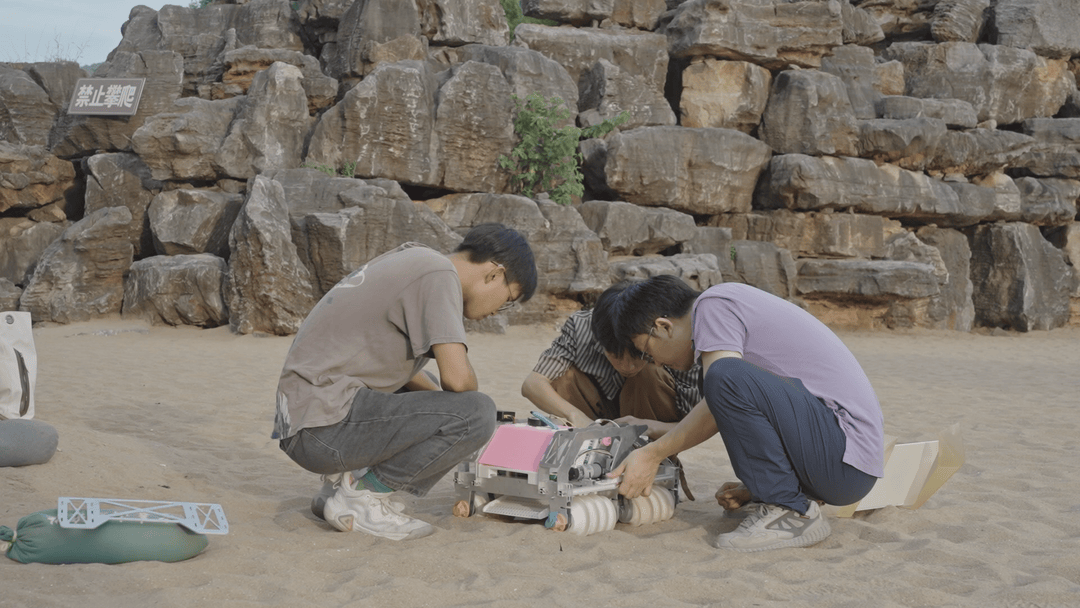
658	506
592	513
479	500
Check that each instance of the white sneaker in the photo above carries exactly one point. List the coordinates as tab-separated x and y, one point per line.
354	510
775	527
329	486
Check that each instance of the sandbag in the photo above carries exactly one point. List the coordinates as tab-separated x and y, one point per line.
25	442
18	366
38	538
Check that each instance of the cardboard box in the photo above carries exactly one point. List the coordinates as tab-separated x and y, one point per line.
913	472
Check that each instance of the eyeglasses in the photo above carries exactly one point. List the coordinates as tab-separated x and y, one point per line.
646	357
510	304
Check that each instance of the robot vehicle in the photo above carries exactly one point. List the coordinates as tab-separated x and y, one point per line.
541	471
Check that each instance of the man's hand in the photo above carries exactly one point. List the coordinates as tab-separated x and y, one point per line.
638	471
732	495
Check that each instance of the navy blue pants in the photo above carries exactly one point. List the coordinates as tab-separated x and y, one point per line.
784	443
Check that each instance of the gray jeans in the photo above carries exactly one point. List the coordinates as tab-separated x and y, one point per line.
408	440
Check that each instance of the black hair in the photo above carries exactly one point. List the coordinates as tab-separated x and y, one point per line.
630	308
497	243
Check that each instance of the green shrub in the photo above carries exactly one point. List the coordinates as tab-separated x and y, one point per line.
546	158
514	16
348	170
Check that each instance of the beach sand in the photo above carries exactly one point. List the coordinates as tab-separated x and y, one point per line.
183	414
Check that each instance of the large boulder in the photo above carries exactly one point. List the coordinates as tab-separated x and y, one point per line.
955	113
1020	280
233	138
80	276
807	183
121	178
242	64
640	14
351	221
809	113
385	125
856	67
192	222
907	143
575	12
26	112
1048	201
1056	150
774	34
697	171
31	178
22	242
627	229
859	25
454	23
177	290
814	234
958	20
526	71
900	19
372	32
867	293
765	266
474	126
1047	27
268	289
978	151
608	91
723	94
1004	84
641	54
182	144
9	295
952	308
270	127
700	271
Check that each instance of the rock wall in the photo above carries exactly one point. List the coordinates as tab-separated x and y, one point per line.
883	164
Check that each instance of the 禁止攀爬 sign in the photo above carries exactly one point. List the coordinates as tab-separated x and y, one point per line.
106	96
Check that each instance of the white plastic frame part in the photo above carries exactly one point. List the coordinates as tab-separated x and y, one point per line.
89	513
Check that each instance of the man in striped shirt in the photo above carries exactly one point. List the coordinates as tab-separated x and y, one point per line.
579	381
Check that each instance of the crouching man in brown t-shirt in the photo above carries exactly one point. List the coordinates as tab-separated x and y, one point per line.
353	401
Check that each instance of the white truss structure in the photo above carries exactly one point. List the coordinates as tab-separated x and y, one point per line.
89	513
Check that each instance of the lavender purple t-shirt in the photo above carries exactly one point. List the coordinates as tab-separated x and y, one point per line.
775	334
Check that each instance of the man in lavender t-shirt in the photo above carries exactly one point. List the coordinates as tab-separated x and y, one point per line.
797	414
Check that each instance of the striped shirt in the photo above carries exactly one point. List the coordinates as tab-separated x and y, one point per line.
575	346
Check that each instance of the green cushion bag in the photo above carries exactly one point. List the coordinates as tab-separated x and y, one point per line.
39	538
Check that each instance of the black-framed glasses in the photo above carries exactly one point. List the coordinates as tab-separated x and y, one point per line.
646	357
510	304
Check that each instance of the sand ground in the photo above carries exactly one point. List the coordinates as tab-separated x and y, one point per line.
185	414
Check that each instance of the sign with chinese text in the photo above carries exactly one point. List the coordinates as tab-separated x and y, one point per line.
107	96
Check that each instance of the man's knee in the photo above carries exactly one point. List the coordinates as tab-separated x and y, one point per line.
728	375
482	419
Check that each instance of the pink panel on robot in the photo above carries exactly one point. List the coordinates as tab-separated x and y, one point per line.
517	447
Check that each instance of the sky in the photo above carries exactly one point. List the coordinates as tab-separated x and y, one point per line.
84	31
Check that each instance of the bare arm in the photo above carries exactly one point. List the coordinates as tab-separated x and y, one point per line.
639	468
422	382
537	389
455	371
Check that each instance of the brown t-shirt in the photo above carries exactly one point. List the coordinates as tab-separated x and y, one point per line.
374	329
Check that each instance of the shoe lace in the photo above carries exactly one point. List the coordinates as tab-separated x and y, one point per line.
390	507
757	513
